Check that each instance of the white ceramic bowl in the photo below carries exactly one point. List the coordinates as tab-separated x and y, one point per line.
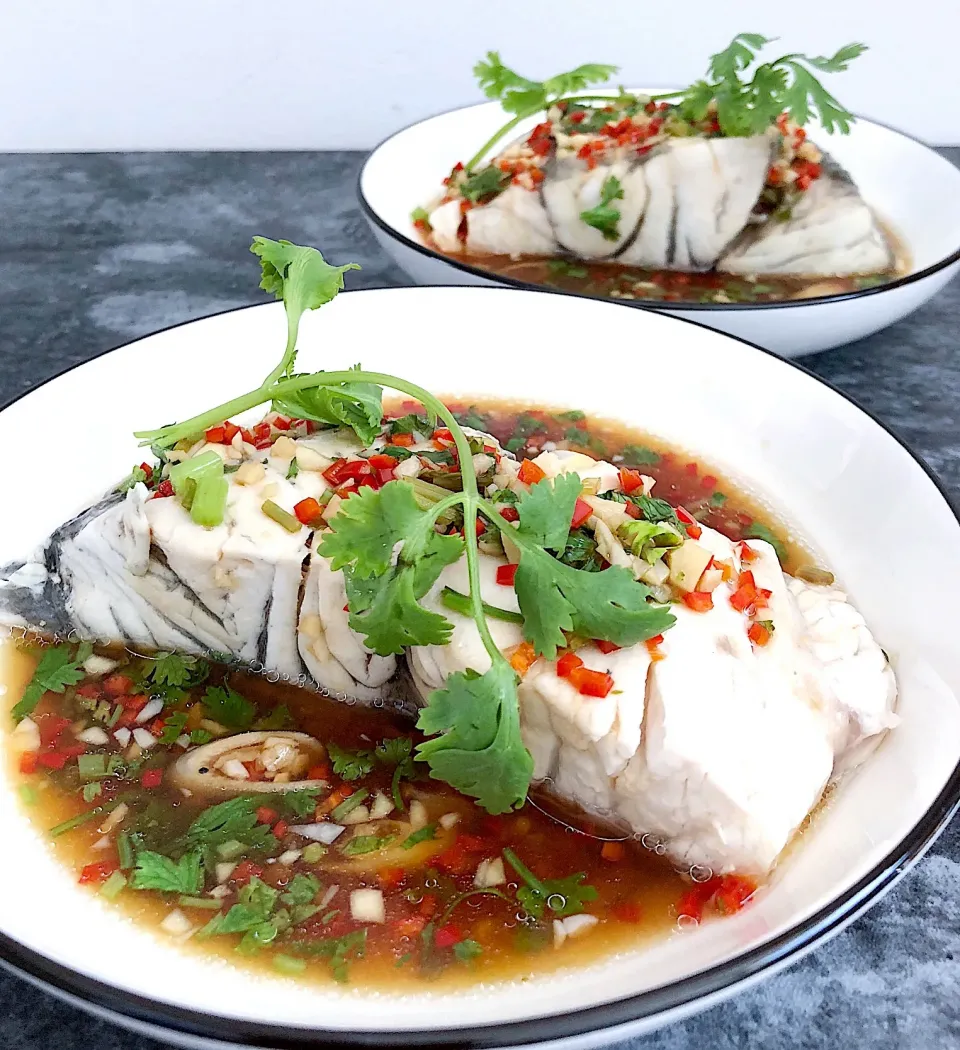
833	471
912	188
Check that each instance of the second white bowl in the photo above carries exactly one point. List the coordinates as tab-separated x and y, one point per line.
912	188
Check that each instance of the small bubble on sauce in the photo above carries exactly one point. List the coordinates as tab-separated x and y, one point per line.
701	873
73	636
556	901
431	884
378	702
512	886
660	849
687	922
649	841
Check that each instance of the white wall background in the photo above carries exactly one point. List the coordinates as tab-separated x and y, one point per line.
328	74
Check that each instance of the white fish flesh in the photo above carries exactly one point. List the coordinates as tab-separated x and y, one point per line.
831	230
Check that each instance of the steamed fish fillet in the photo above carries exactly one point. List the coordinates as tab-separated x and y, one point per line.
138	570
716	748
832	231
690	204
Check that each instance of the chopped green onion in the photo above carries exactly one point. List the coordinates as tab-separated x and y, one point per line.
112	887
230	850
92	791
424	834
74	822
206	903
28	794
124	851
114	716
314	852
209	501
201	487
288	964
462	604
92	767
349	804
280	516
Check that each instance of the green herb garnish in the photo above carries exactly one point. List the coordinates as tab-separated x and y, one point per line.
57	669
565	896
524	97
424	834
350	765
228	707
758	531
603	217
786	85
153	871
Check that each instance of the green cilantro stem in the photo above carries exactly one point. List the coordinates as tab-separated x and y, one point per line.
523	871
461	603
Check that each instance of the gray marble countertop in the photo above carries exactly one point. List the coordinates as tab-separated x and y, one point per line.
98	249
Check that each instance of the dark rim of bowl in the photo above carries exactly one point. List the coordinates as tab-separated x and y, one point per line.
655	304
714	983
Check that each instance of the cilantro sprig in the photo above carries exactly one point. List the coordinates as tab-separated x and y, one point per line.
748	104
524	98
391	555
565	896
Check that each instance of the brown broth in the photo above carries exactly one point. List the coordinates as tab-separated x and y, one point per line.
637	890
608	280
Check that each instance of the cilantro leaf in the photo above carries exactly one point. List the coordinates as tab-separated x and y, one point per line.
300	803
350	765
466	951
485	185
523	97
566	896
639	456
56	670
384	599
758	531
339	950
547	510
176	670
480	751
255	903
301	890
356	405
303	279
228	708
173	727
155	872
749	106
658	510
610	605
519	95
602	216
233	820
